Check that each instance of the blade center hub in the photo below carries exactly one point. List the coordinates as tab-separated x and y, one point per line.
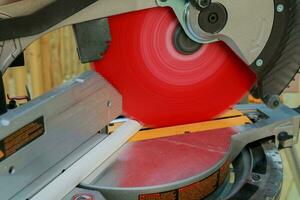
183	44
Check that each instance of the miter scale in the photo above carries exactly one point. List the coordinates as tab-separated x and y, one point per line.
171	67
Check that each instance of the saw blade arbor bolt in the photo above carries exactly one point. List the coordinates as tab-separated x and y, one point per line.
183	44
213	19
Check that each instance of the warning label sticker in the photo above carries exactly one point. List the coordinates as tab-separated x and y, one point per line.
21	138
195	191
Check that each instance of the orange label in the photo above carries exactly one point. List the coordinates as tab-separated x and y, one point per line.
20	138
196	191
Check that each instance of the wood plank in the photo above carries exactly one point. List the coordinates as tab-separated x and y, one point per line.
190	128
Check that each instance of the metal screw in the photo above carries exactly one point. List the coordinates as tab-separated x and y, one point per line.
109	104
11	170
280	8
79	80
259	62
83	197
203	3
256	177
272	101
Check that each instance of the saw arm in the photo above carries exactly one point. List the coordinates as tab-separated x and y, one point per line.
259	32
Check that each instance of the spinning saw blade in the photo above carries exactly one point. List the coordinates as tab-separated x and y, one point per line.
164	77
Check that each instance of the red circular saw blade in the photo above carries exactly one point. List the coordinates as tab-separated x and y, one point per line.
160	86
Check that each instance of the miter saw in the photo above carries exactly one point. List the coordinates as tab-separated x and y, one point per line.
169	66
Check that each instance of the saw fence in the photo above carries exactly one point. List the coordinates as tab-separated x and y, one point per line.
49	62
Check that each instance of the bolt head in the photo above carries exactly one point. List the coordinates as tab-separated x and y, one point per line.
259	62
203	3
256	177
280	8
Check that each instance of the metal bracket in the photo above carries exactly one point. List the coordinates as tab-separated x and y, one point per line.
246	36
